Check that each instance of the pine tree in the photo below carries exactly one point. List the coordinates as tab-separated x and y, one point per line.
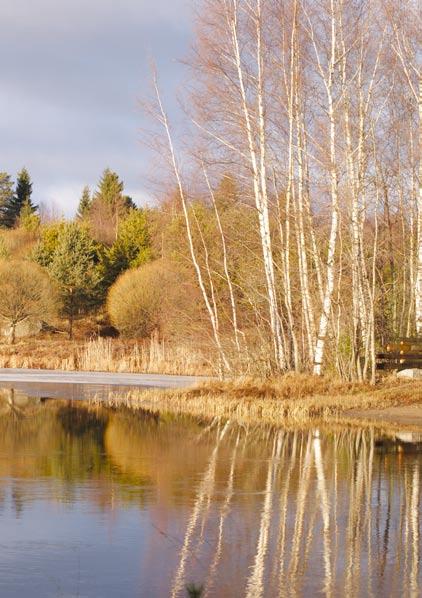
19	199
131	249
73	265
6	196
110	188
109	207
85	204
28	219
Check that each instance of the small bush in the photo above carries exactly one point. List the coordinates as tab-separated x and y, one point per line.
26	295
140	301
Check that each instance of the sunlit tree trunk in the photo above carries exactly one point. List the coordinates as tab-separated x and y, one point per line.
256	142
418	294
230	285
328	80
162	115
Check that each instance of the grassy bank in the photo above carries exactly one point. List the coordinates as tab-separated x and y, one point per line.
291	398
295	398
103	355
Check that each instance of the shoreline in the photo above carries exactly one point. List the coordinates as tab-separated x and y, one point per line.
406	415
292	399
397	404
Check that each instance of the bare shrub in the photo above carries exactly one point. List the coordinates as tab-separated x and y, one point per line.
26	295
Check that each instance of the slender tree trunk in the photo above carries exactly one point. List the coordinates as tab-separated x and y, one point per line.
330	262
214	323
71	316
227	274
12	338
258	166
418	293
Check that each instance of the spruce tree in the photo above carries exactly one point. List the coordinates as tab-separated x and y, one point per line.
21	198
109	207
131	249
129	203
24	190
110	188
73	265
28	219
85	204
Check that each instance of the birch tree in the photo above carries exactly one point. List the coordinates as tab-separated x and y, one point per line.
407	27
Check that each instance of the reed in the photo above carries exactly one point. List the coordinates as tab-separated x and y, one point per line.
105	355
153	356
294	399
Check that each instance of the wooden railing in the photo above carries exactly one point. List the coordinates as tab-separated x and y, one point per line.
403	354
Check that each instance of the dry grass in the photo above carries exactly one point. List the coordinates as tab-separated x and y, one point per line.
103	355
291	398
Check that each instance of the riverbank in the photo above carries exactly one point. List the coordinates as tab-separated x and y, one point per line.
292	399
153	356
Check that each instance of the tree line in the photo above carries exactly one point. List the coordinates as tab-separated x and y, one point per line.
15	200
316	108
288	229
65	267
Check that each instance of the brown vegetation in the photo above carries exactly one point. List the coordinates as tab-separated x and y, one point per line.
149	300
105	355
26	296
289	399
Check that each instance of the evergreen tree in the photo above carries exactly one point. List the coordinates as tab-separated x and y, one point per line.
131	249
85	204
47	245
110	189
24	190
27	217
72	263
6	196
227	193
129	203
19	199
109	207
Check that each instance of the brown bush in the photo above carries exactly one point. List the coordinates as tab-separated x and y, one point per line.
148	300
26	296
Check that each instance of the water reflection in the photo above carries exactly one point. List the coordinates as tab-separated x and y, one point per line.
150	504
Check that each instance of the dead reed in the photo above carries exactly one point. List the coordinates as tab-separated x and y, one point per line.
293	398
105	355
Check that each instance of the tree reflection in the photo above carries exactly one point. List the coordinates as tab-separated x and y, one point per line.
332	520
243	511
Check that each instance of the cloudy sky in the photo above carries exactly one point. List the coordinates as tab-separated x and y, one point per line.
72	72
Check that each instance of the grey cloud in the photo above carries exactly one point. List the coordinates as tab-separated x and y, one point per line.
72	72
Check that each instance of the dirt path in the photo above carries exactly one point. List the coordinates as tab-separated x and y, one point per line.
404	415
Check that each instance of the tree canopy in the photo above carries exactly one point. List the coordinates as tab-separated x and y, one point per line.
26	295
71	258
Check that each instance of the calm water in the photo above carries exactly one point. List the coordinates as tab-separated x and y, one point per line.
99	502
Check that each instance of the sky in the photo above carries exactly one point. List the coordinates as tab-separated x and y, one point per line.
72	74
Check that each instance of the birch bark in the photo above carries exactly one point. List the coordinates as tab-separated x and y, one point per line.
211	313
258	166
328	79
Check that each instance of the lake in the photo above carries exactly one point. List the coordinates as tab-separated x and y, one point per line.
102	502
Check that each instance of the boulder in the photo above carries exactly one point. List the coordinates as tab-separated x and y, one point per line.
414	373
23	329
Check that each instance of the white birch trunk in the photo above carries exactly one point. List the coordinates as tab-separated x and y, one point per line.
236	330
418	290
257	161
332	243
209	308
